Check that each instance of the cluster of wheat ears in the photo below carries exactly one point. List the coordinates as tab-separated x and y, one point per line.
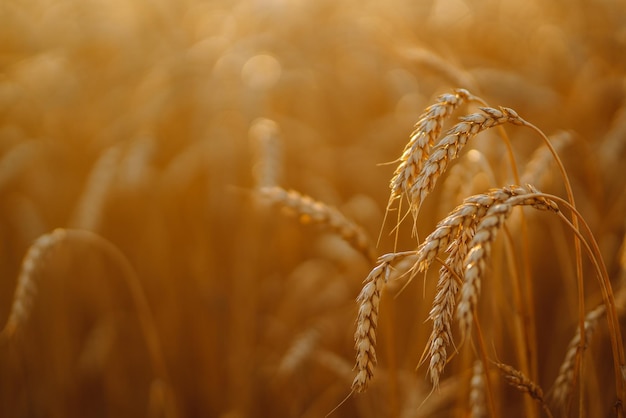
466	235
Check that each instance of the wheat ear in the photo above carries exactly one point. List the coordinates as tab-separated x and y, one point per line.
426	132
564	383
33	266
522	383
442	311
309	210
451	145
458	229
472	209
367	319
474	265
477	391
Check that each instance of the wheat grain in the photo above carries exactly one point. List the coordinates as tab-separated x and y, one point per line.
449	147
309	210
474	265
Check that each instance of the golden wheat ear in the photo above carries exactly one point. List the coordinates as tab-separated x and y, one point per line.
474	264
367	319
563	386
417	150
522	383
451	145
455	234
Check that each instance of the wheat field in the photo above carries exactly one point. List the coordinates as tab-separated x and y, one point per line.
298	208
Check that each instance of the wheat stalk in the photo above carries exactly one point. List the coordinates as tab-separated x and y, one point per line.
309	210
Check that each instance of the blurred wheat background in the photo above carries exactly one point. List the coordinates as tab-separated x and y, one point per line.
152	123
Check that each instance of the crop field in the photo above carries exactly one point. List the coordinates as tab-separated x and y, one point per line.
310	208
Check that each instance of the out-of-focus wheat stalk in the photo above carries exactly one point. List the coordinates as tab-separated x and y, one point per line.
308	210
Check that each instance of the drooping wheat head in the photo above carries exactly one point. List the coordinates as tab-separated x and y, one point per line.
563	386
477	400
522	383
33	265
474	265
456	231
367	319
451	145
426	132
